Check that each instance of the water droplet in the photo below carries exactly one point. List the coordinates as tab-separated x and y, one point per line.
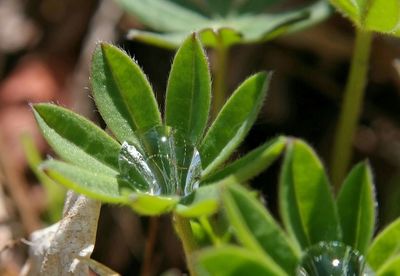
165	163
334	259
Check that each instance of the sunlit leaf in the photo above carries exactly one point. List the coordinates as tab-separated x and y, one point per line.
306	203
122	93
77	140
385	246
92	184
233	122
189	90
356	207
372	15
256	229
234	261
252	163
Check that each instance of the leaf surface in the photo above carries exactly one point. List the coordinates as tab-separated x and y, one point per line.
306	203
256	229
252	163
122	93
233	122
77	140
234	261
356	207
385	246
189	90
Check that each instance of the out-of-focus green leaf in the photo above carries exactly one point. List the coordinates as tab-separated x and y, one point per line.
217	23
204	201
385	246
234	261
306	203
252	163
164	15
95	185
390	268
55	193
122	93
189	90
356	207
372	15
256	229
77	140
233	122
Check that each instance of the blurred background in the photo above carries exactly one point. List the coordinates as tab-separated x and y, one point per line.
45	52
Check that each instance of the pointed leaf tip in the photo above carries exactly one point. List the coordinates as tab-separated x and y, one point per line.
234	121
189	90
122	93
356	206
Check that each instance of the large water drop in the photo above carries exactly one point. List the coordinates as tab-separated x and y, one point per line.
164	163
333	259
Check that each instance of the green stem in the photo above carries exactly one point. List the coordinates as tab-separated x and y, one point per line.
351	107
220	87
182	226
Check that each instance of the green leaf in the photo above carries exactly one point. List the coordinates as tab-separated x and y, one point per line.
122	93
233	122
204	201
252	163
256	229
163	15
356	207
77	140
306	204
95	185
390	268
385	246
106	188
234	261
226	24
151	205
189	90
372	15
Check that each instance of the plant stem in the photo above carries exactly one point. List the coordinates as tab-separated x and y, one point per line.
220	87
182	226
351	107
149	248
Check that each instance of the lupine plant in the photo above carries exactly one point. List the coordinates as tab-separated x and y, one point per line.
322	235
156	165
178	161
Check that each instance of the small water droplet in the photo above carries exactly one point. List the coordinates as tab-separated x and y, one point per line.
334	259
164	163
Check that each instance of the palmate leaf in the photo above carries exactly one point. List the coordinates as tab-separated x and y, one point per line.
306	203
217	22
189	90
256	229
233	122
356	207
122	93
372	15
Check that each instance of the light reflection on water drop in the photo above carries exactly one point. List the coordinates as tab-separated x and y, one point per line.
165	163
333	259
